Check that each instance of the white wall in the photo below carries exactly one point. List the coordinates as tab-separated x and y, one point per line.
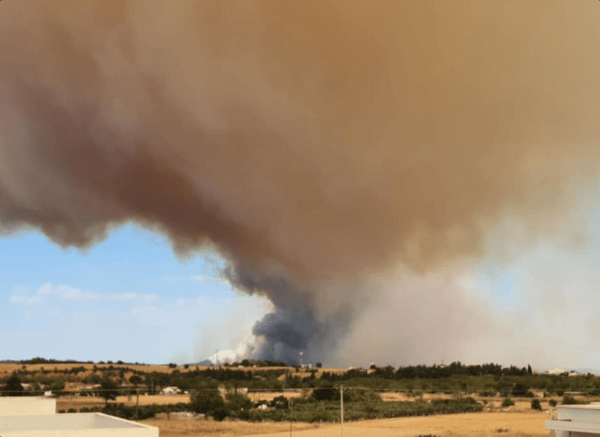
26	406
73	425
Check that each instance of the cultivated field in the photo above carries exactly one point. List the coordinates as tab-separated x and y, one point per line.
64	403
505	424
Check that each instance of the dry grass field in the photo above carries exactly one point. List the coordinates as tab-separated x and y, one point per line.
9	368
505	424
64	403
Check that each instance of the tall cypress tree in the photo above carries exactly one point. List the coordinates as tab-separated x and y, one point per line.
13	386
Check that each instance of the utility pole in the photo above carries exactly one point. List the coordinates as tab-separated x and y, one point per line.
290	417
342	408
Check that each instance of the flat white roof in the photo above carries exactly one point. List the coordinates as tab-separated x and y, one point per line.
577	418
26	405
77	424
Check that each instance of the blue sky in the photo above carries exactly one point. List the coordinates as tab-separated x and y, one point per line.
127	298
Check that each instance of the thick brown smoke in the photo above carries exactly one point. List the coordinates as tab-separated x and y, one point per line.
314	141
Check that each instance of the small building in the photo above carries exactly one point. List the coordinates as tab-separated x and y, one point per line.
224	390
170	391
576	421
555	372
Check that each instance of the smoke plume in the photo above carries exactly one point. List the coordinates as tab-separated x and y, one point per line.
317	145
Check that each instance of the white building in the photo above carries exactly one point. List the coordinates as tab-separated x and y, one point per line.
555	372
36	417
170	391
576	421
224	390
26	406
73	425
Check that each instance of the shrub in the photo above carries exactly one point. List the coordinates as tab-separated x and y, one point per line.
237	403
552	402
324	393
507	402
521	390
536	405
570	400
280	402
358	395
206	401
220	413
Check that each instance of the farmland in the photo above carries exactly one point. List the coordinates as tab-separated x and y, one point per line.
310	398
506	424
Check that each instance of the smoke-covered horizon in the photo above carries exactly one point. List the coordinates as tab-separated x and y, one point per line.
326	149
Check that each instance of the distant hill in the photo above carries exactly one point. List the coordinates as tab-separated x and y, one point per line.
203	363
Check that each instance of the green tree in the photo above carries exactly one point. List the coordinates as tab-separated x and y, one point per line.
207	401
238	404
521	390
57	388
135	380
319	365
13	386
325	393
109	390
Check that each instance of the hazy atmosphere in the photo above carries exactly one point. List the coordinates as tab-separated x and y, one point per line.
397	182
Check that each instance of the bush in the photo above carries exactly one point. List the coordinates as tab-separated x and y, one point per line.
536	405
237	403
521	390
507	402
206	401
280	402
570	400
552	402
324	393
220	413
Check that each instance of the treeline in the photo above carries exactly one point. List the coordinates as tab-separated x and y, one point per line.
487	379
429	372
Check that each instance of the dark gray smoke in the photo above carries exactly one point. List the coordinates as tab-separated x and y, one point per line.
292	328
